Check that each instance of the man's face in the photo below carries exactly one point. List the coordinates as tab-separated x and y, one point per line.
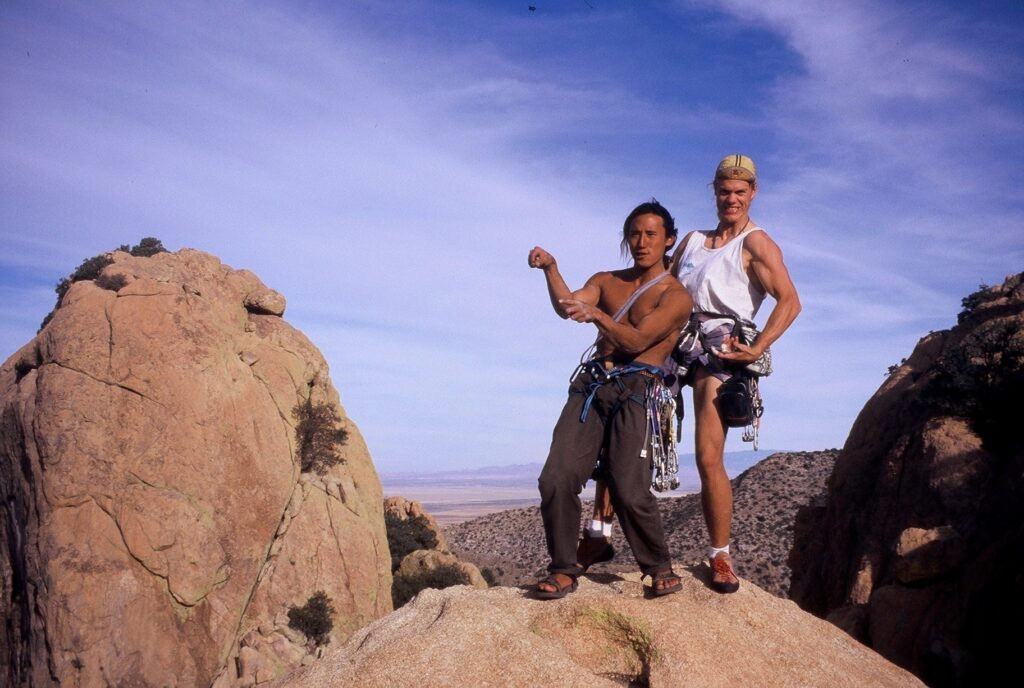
733	197
647	241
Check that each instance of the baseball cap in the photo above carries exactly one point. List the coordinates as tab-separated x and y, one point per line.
737	167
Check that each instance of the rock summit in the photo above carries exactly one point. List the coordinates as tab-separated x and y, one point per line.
157	522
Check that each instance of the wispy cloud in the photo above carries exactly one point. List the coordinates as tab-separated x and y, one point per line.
889	136
388	165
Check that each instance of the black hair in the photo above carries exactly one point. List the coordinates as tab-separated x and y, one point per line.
651	207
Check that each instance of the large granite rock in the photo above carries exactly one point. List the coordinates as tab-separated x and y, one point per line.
403	509
604	634
157	526
919	546
423	561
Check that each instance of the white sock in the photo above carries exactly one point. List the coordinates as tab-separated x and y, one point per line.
607	529
714	551
599	528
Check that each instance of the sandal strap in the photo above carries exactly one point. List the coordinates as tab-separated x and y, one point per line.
553	582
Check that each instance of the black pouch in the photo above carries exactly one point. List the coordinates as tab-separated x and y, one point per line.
736	402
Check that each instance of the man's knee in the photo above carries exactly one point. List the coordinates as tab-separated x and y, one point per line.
554	484
710	457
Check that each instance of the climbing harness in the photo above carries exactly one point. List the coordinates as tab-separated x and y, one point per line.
600	376
744	330
742	391
662	424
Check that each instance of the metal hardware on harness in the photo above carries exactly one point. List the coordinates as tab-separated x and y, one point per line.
757	406
661	426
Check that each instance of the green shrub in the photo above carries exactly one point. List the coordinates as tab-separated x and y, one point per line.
318	436
111	282
47	318
147	246
407	535
404	588
632	636
893	368
981	378
313	618
91	268
970	302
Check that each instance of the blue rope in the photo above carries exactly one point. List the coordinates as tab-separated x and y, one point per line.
603	377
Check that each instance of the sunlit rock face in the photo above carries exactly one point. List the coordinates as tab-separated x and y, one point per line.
607	633
919	548
157	523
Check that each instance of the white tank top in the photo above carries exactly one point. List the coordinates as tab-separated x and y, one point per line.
716	280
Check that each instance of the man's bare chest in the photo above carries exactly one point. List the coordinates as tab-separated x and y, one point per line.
613	298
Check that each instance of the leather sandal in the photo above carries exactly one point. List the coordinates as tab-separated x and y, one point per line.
668	587
559	591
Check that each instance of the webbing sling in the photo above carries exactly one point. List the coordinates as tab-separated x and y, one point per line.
619	314
601	377
636	295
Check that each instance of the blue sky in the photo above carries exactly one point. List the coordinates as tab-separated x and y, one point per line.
388	165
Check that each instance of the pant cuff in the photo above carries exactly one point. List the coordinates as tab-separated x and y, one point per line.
656	568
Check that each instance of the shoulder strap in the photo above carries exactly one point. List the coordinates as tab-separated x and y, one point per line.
619	314
691	241
750	231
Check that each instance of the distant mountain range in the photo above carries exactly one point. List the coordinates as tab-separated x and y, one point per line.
454	496
524	475
766	498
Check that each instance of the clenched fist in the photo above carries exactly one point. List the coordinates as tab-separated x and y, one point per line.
541	259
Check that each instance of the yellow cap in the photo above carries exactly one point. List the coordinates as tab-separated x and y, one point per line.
737	167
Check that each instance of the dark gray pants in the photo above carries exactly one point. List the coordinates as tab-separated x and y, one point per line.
616	420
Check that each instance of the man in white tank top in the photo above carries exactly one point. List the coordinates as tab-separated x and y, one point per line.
727	271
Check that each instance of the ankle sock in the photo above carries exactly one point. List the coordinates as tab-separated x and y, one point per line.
714	551
599	529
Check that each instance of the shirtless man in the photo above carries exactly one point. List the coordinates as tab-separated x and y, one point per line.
727	271
608	397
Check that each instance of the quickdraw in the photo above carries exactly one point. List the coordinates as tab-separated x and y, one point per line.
663	432
757	408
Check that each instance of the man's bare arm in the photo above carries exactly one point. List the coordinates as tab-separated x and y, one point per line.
557	288
770	270
671	313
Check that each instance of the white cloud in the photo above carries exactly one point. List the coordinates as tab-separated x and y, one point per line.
390	177
362	201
